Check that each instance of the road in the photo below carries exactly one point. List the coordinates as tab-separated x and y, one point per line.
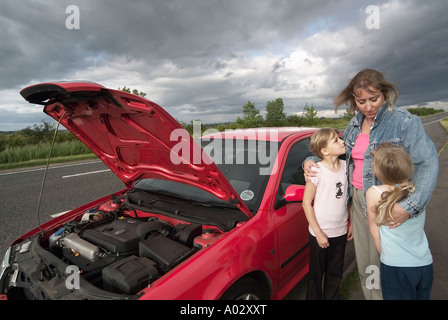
437	219
67	186
71	185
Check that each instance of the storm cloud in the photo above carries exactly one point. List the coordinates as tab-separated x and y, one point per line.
205	59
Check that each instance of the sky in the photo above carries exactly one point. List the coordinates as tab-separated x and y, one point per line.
205	59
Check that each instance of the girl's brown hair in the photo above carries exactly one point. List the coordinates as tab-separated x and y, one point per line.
364	80
320	140
392	165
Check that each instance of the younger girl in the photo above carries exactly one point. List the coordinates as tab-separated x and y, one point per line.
406	261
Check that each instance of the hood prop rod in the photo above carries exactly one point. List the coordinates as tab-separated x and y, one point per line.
45	175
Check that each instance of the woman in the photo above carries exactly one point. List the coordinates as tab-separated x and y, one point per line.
372	99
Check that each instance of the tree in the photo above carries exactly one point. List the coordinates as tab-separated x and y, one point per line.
309	116
38	133
275	115
252	117
293	120
135	91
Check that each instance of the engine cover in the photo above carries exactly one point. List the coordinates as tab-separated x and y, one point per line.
122	235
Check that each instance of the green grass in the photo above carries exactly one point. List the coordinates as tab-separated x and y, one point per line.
349	285
32	155
39	162
444	123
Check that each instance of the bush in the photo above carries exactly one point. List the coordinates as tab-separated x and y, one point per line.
424	111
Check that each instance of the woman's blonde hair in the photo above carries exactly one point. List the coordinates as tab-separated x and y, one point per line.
364	80
320	140
392	165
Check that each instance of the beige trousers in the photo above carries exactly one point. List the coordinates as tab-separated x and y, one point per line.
367	257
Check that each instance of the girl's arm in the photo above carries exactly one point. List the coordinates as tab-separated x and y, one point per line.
350	223
308	196
372	199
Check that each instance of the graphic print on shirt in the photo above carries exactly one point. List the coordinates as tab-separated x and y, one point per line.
339	192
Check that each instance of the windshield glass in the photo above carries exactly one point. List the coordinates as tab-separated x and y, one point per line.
247	164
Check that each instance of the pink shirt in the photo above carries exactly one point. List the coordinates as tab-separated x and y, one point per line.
330	205
361	144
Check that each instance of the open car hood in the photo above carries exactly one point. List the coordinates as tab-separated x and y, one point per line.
133	136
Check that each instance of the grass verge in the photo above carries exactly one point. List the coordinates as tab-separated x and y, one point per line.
33	155
349	285
39	162
444	123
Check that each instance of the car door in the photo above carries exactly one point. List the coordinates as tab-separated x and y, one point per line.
292	225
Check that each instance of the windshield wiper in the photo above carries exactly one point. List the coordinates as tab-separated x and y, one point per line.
210	204
165	193
149	201
214	204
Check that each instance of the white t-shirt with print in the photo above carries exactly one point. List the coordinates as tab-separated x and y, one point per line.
330	205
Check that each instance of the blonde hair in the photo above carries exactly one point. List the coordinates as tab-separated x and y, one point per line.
392	165
320	140
364	80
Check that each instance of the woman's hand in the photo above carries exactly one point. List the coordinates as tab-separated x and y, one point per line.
308	169
399	216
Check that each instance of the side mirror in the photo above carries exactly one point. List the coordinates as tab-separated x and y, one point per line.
294	193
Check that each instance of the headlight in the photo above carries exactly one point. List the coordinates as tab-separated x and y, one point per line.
9	269
5	262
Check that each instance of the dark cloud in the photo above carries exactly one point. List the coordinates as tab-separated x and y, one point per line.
204	59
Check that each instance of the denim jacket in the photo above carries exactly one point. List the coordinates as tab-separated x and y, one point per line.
404	129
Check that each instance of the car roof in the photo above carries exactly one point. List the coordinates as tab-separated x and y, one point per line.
266	133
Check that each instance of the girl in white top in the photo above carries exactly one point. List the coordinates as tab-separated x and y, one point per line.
328	217
406	260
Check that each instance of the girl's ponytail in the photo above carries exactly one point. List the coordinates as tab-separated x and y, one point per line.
389	199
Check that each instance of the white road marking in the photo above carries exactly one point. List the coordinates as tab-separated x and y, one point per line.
59	214
55	167
84	173
425	124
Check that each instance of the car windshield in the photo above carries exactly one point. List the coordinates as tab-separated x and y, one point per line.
247	165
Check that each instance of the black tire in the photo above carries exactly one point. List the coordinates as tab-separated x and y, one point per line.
246	289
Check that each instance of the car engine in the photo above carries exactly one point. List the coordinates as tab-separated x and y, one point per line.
117	252
124	255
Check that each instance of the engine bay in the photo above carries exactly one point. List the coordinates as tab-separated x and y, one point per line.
124	254
117	249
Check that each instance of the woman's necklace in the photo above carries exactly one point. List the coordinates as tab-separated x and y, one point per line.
370	124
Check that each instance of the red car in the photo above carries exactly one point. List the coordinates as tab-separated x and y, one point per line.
224	221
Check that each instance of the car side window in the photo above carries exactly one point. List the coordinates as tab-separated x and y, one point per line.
293	172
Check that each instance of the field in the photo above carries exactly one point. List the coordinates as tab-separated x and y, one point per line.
31	146
32	155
